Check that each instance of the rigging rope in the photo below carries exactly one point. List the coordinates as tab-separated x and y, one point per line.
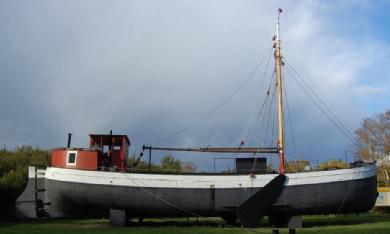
290	120
342	125
267	103
353	139
252	122
212	111
321	105
272	140
270	111
260	116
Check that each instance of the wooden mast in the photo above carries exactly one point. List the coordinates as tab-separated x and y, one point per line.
278	59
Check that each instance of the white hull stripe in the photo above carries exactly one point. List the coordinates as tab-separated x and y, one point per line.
203	181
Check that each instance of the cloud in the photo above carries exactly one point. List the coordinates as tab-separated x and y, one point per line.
369	90
149	68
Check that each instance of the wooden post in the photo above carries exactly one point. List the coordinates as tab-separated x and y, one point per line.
150	159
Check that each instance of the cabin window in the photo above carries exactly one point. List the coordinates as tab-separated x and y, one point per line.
71	158
106	149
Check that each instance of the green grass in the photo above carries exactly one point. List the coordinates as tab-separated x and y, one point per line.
354	224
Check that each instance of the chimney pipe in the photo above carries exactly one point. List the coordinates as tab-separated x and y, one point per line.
69	139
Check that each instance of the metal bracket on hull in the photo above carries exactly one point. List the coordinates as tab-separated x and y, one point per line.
254	208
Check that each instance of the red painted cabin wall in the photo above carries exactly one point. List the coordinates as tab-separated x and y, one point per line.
85	160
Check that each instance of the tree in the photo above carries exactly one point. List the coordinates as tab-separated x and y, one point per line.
13	169
374	139
12	184
188	167
170	164
333	165
296	166
140	165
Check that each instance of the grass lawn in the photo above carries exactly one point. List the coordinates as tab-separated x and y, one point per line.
354	224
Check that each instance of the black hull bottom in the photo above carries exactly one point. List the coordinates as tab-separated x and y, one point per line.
77	199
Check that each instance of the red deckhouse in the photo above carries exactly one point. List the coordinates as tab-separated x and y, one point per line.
105	151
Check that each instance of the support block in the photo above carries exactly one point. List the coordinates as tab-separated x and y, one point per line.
118	218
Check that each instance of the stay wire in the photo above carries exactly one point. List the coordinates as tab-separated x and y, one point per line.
290	120
270	112
260	115
327	108
322	102
252	120
264	119
272	107
212	111
326	112
272	140
265	123
319	107
268	118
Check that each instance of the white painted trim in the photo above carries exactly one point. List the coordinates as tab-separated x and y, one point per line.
31	172
203	181
67	157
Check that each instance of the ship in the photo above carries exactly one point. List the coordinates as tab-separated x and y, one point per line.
97	181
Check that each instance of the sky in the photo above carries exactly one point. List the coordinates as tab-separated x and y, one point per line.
150	68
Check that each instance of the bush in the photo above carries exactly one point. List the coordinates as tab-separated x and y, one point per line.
333	165
13	170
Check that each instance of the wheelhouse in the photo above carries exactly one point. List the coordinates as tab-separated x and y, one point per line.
105	152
